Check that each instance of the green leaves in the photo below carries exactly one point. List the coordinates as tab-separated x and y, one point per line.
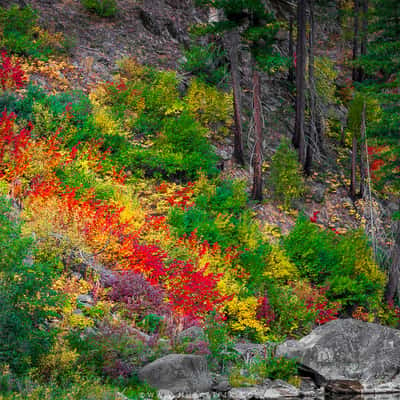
26	298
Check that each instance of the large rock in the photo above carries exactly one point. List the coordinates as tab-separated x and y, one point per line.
249	351
273	390
178	373
192	334
350	350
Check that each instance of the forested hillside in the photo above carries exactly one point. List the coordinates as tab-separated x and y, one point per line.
188	184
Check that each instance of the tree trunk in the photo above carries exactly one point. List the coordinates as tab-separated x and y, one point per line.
299	139
291	52
342	135
356	29
339	6
234	42
364	36
353	182
363	163
257	157
392	286
355	77
312	139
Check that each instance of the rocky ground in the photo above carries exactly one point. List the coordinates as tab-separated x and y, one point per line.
155	32
344	357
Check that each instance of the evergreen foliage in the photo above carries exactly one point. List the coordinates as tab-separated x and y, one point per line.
27	300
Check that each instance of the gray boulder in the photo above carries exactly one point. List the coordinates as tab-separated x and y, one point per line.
274	390
86	300
248	351
318	192
178	373
192	334
350	350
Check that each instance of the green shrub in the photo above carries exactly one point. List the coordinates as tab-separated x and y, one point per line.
14	387
216	215
213	108
21	35
207	62
274	367
26	298
262	367
286	180
180	151
343	263
220	344
103	8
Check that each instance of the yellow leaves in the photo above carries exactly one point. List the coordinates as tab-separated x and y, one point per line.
243	316
213	108
132	211
57	72
228	285
223	222
104	121
98	96
72	286
249	233
59	362
279	266
130	68
176	108
272	232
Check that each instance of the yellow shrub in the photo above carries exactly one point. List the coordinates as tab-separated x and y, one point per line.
43	119
130	69
279	266
271	232
104	121
248	232
98	96
242	316
60	363
213	108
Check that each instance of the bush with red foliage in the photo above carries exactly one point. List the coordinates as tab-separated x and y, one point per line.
376	163
11	74
265	311
191	291
139	296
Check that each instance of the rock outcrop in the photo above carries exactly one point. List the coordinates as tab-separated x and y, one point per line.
348	350
178	373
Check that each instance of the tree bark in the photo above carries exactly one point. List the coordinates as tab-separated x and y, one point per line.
364	36
234	42
257	157
355	78
353	182
392	287
356	29
299	138
291	51
312	140
363	166
342	135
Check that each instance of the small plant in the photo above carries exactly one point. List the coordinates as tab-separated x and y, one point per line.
207	62
11	75
140	298
103	8
20	34
220	344
286	179
343	263
261	367
27	300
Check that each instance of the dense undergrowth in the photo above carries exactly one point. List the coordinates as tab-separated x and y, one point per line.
125	179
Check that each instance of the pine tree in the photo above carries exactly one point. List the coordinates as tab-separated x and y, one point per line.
257	28
381	67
